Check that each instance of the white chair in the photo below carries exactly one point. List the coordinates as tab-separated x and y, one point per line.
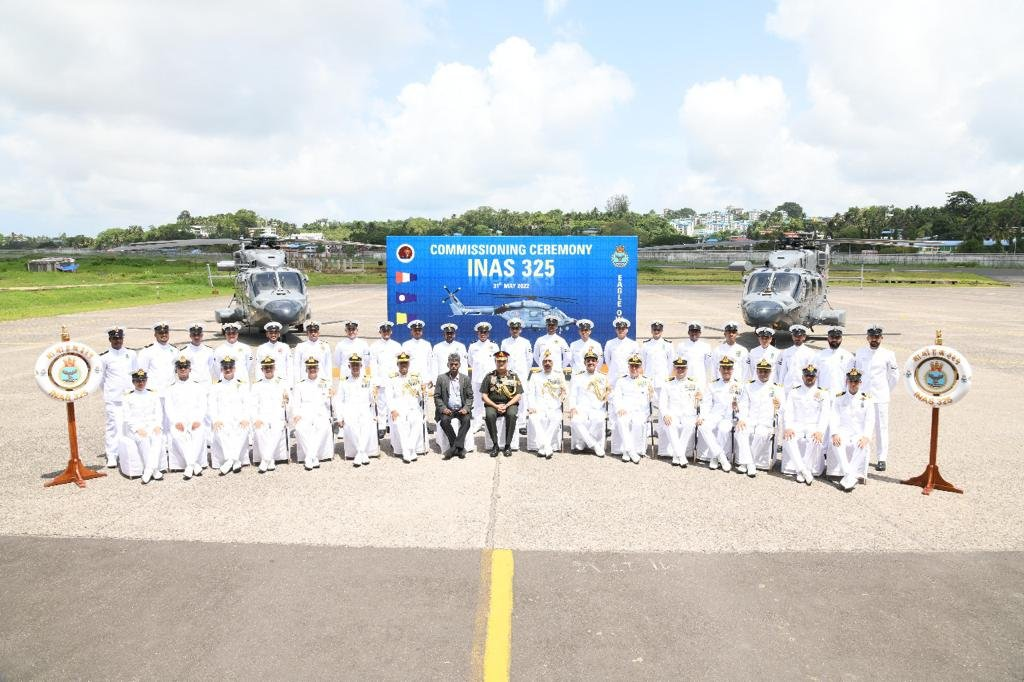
129	461
500	427
442	442
531	437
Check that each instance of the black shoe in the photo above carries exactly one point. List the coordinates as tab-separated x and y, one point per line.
880	466
380	434
461	453
449	453
494	451
356	465
507	452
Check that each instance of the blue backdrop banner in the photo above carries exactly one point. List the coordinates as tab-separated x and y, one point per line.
466	280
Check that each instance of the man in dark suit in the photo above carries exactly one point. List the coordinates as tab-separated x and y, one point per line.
453	399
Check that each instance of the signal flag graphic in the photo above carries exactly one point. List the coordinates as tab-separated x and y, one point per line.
403	277
405	298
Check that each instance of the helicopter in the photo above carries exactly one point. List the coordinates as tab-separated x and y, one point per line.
265	288
791	287
530	310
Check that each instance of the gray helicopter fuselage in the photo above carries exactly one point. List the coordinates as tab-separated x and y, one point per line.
791	288
267	290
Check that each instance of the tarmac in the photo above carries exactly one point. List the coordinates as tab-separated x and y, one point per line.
376	572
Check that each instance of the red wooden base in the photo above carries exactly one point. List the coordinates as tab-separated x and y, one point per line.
75	473
930	480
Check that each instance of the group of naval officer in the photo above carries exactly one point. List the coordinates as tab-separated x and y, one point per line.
194	406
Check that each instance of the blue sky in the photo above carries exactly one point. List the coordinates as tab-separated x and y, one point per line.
114	114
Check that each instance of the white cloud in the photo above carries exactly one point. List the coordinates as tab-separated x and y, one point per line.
906	101
554	7
299	135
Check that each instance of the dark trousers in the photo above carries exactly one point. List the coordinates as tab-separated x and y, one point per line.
491	420
445	422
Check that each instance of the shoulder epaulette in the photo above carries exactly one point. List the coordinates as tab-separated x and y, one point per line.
148	345
149	390
220	381
534	370
840	393
750	381
393	375
866	395
105	352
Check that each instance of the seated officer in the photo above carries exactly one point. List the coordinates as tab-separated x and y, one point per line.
501	391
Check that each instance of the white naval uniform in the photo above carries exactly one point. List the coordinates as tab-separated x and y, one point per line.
722	408
547	391
758	412
520	355
158	361
143	415
832	368
481	362
314	434
115	381
420	358
185	403
588	395
769	353
739	357
807	411
617	353
632	396
698	360
381	366
242	354
230	405
282	354
343	350
657	355
791	365
852	418
204	365
579	348
353	406
559	351
880	376
269	401
405	396
321	351
442	350
685	401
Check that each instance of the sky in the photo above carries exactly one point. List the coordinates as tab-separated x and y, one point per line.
115	113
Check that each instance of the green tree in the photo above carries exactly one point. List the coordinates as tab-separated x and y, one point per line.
792	209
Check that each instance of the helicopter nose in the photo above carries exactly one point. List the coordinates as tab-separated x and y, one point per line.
285	312
762	313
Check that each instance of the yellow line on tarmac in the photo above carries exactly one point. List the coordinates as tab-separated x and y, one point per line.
492	640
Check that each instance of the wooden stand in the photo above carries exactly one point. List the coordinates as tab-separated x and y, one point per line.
75	471
931	479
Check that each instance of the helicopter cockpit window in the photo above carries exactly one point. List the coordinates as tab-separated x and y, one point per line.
758	282
290	280
787	283
263	282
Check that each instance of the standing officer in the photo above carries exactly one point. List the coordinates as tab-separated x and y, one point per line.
453	399
723	412
143	420
684	408
618	350
764	350
588	404
880	373
353	407
518	347
405	400
759	403
579	348
419	351
481	361
501	390
117	365
309	411
277	349
383	354
346	347
852	425
230	416
807	409
313	347
443	349
631	398
239	351
269	421
547	391
657	354
697	353
204	365
833	363
729	348
186	405
794	359
158	360
552	341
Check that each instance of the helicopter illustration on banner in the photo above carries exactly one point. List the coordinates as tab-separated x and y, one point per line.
265	288
529	309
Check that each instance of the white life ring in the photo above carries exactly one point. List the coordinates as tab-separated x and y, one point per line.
937	376
68	371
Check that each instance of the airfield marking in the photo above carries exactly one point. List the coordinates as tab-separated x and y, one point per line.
498	645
